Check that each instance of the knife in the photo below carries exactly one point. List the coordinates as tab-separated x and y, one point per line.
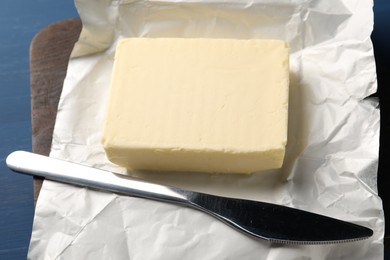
271	222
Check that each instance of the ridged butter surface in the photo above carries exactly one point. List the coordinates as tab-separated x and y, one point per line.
204	105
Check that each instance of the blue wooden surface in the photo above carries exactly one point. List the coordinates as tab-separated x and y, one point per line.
20	20
381	33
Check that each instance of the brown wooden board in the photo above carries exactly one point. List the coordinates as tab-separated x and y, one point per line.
49	55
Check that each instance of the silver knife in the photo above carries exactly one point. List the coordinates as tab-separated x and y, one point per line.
271	222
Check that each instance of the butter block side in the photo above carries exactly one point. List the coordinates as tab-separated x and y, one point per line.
195	161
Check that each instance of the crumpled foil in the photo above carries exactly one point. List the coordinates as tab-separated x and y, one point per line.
333	140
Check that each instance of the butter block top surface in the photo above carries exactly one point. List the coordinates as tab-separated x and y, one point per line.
198	94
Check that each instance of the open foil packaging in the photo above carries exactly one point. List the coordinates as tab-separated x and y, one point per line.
333	140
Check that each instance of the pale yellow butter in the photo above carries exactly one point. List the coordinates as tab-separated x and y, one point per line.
204	105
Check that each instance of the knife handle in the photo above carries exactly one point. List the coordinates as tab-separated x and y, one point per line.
80	175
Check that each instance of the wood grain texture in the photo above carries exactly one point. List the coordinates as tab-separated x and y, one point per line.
49	55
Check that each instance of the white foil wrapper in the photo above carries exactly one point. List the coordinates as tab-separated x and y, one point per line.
332	153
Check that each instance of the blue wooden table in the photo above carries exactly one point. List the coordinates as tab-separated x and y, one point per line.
19	22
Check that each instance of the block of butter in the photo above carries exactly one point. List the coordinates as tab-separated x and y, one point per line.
200	105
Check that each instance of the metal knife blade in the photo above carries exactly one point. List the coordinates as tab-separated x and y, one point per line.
271	222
